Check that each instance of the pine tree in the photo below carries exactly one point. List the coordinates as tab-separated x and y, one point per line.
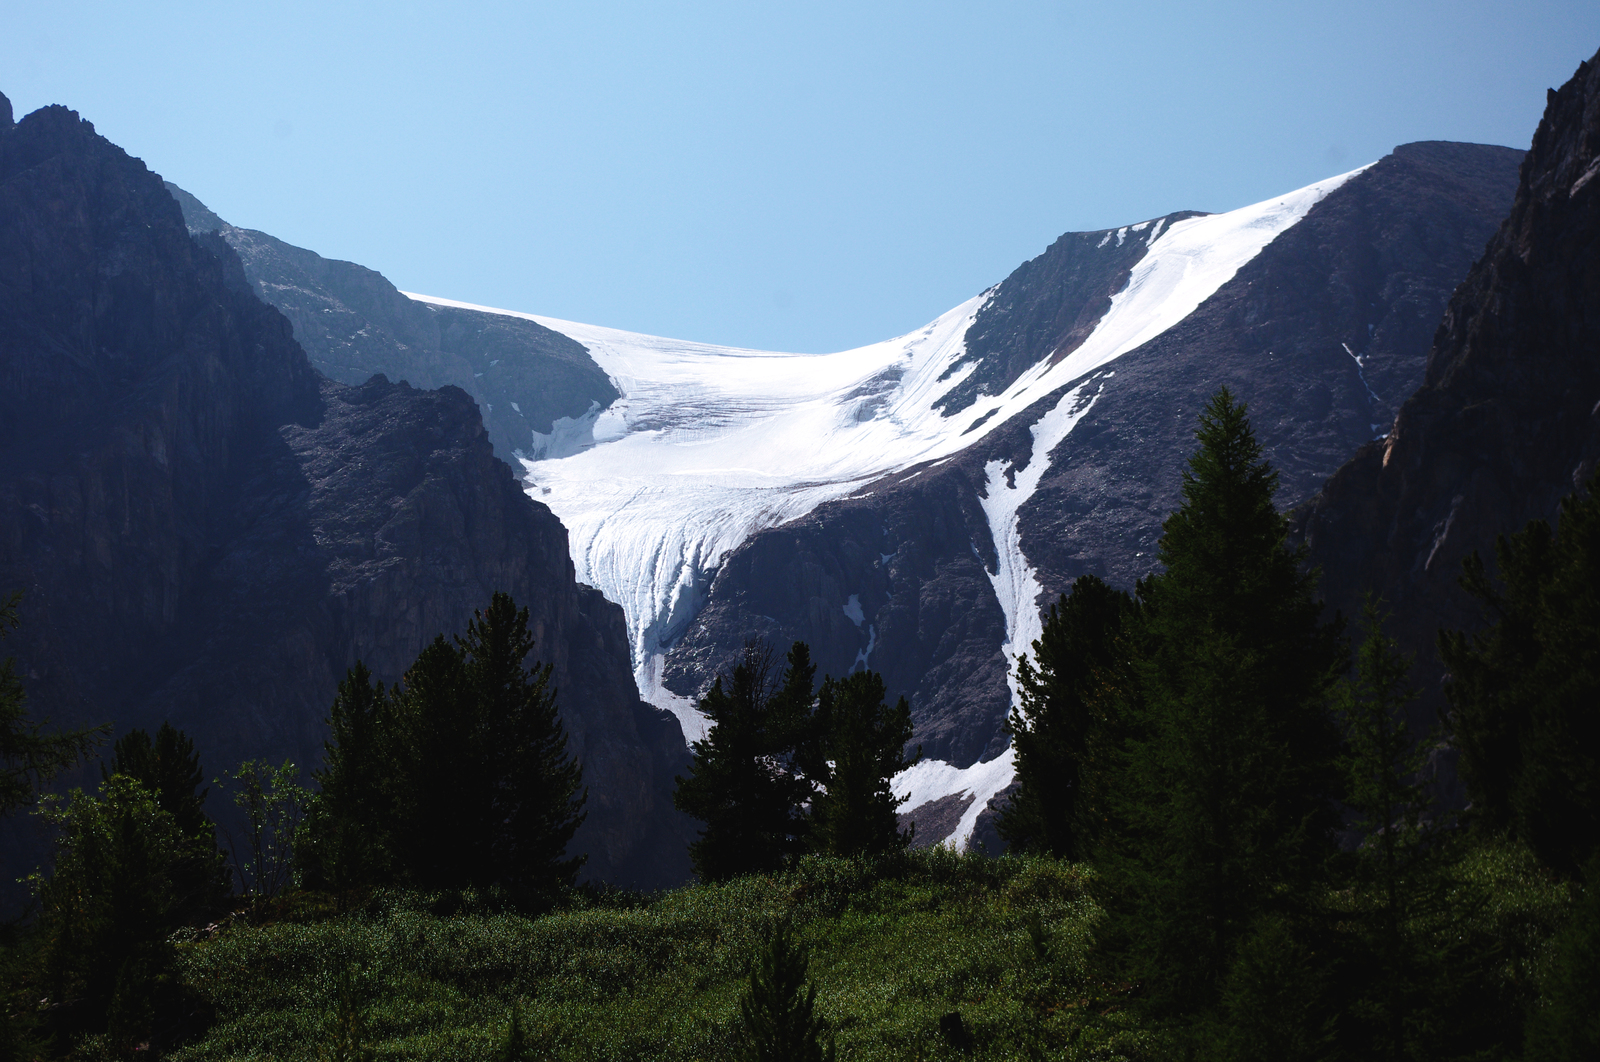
106	910
1525	691
778	1008
744	783
1397	876
865	740
1067	730
349	830
169	768
458	777
534	796
1230	767
30	756
439	786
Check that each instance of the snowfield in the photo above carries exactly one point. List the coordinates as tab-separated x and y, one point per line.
709	445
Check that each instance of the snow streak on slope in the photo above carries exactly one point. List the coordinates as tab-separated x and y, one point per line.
709	445
1015	584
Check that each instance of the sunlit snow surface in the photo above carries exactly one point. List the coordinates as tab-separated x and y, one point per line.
709	445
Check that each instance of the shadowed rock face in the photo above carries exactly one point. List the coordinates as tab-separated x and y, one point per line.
208	531
1370	269
1507	420
353	323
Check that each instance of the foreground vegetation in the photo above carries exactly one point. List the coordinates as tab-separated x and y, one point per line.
898	947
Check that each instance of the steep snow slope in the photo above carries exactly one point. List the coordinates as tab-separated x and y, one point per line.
709	444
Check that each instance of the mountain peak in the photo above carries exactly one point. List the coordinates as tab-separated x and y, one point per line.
196	215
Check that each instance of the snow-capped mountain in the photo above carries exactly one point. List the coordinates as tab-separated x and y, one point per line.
911	505
708	445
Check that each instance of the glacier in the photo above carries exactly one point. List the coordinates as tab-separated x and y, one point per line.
709	445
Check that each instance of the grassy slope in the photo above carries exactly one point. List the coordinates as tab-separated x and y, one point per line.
894	948
892	951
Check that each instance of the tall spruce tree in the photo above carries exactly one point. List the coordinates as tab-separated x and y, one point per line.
864	740
349	832
1525	690
1067	728
439	787
743	781
458	777
535	794
1230	766
1398	878
169	769
29	754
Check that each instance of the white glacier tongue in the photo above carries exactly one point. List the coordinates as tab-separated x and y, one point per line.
709	445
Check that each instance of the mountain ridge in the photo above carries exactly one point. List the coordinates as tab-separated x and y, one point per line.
207	531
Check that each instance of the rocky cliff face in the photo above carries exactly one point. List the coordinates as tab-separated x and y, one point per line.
1324	333
207	531
353	323
1507	418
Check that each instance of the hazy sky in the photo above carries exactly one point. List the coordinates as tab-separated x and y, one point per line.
782	175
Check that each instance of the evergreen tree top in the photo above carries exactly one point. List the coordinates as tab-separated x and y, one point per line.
1228	490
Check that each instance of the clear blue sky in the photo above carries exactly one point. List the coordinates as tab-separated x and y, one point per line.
795	176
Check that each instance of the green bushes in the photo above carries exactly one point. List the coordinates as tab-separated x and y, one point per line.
895	943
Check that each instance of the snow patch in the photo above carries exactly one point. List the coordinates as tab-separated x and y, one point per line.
933	779
1015	584
567	436
864	656
852	608
695	725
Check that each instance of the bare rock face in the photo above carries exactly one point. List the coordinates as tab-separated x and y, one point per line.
1324	334
209	531
1507	419
353	323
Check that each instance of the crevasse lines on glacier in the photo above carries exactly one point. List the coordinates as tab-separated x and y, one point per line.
709	445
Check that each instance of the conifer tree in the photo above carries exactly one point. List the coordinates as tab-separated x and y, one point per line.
458	777
1397	876
1524	691
29	755
534	795
865	740
778	1007
1066	729
744	783
439	787
107	908
169	769
1230	768
348	835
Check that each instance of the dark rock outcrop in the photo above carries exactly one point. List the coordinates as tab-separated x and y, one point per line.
1324	333
353	323
1507	419
1049	305
207	531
